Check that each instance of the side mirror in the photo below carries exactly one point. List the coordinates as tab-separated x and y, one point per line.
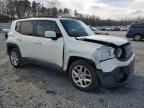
50	34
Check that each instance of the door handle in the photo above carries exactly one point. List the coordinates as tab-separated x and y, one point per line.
38	43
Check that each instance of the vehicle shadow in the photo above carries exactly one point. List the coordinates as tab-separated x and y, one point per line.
56	83
54	80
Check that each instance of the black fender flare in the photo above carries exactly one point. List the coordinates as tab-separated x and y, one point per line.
12	45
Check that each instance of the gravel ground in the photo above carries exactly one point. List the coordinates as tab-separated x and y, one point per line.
41	87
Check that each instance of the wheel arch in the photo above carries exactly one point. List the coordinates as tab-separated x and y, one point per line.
75	58
11	46
138	34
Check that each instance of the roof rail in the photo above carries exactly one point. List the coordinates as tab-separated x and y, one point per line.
43	16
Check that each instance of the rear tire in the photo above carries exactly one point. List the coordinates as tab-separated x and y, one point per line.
83	75
137	37
15	58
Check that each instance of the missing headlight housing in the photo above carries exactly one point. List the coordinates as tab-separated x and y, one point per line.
120	53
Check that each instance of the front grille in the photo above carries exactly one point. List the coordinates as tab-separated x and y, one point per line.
121	74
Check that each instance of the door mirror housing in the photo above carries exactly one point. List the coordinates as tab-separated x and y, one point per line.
50	34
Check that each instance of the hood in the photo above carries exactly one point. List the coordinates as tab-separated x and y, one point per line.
105	40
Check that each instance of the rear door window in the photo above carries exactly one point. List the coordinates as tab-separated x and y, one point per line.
18	27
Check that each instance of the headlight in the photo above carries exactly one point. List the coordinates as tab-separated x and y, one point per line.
118	52
104	53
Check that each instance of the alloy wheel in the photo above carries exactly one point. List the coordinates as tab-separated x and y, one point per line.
14	58
81	76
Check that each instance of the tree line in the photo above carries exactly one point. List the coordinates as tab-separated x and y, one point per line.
17	9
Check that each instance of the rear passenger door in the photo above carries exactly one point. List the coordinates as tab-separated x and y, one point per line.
26	38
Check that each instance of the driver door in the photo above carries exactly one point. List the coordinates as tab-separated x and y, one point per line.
48	49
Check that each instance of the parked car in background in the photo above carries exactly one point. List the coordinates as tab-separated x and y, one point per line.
116	28
5	31
96	31
136	31
108	29
5	28
102	28
123	28
5	25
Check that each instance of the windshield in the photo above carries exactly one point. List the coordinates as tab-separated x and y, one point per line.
76	28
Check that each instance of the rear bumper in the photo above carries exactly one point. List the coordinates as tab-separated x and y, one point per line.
117	77
130	35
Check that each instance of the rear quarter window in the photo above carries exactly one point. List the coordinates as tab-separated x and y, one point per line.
18	27
27	28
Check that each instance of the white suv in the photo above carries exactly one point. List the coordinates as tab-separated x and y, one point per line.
90	60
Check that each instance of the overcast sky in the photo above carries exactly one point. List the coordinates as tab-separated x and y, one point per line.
115	9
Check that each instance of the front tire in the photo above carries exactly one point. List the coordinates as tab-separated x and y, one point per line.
15	58
83	75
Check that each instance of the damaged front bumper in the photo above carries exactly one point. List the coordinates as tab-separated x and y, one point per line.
117	77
